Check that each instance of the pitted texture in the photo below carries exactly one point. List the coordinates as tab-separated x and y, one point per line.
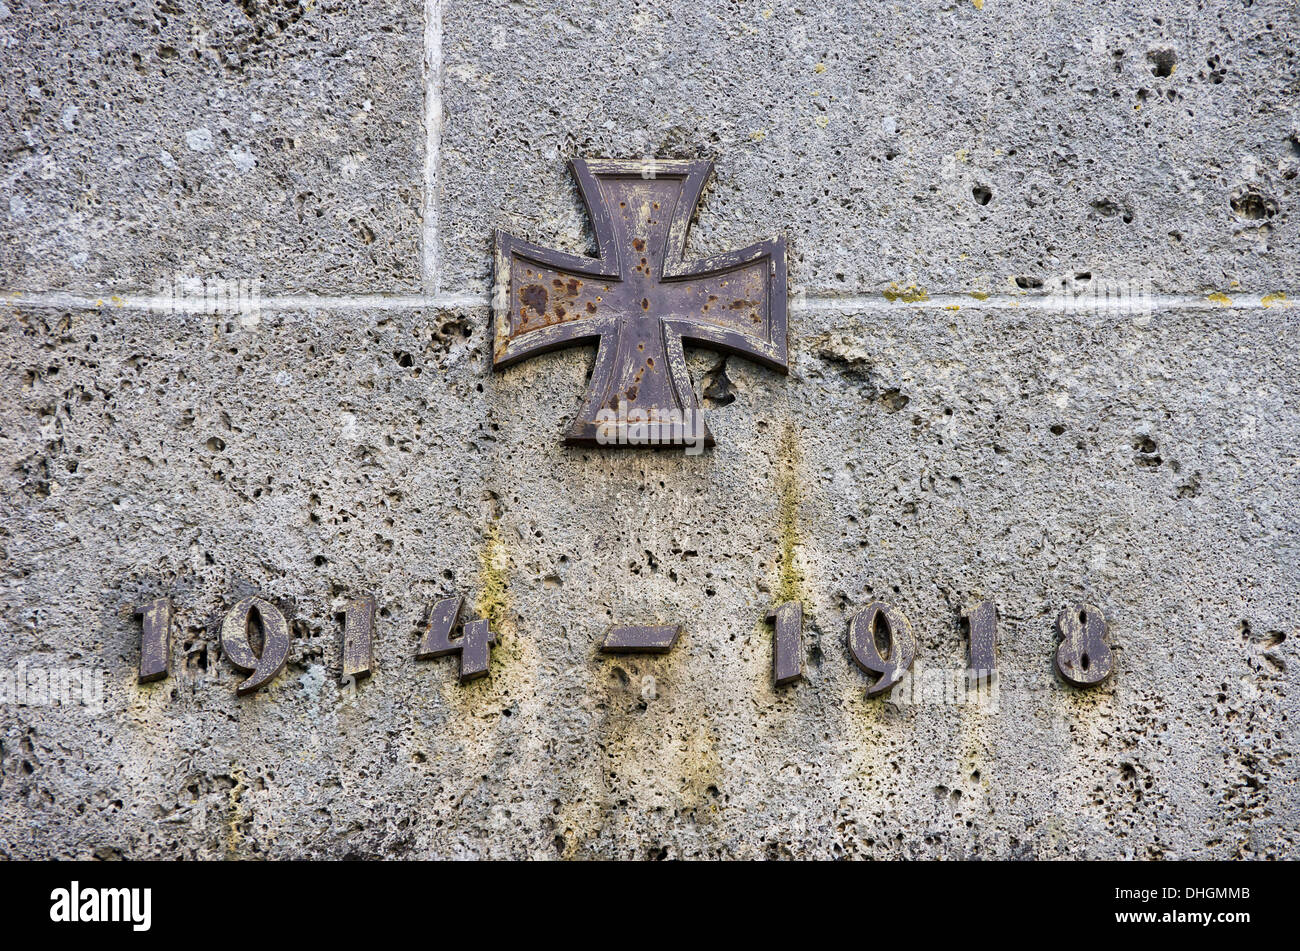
314	458
927	454
281	142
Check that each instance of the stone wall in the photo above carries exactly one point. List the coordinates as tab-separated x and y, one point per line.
1042	259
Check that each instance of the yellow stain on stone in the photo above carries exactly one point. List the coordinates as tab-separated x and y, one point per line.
908	295
758	135
979	295
953	307
823	122
1268	300
1220	298
494	561
683	774
819	68
790	584
978	4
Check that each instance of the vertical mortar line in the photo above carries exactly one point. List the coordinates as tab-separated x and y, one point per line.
432	142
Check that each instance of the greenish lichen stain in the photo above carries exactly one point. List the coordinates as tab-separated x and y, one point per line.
910	294
790	585
493	560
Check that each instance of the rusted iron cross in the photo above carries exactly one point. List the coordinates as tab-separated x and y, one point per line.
638	300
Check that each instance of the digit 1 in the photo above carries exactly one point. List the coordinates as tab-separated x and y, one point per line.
155	640
983	621
358	636
787	643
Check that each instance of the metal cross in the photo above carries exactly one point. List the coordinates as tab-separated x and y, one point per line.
638	301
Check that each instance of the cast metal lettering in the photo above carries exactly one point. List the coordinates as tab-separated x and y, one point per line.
358	634
879	619
1083	657
155	640
880	641
787	642
474	645
643	639
982	663
275	642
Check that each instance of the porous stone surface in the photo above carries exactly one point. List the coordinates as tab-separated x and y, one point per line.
278	141
929	453
931	143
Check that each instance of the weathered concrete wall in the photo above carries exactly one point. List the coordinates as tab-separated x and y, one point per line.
946	434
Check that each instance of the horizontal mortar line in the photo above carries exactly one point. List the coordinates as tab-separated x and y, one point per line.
810	303
1078	303
57	300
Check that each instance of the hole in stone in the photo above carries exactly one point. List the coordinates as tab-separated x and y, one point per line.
1249	202
1162	60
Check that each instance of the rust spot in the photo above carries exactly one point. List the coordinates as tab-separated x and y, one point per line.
560	311
645	303
534	297
650	361
741	304
631	394
639	244
591	307
574	286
